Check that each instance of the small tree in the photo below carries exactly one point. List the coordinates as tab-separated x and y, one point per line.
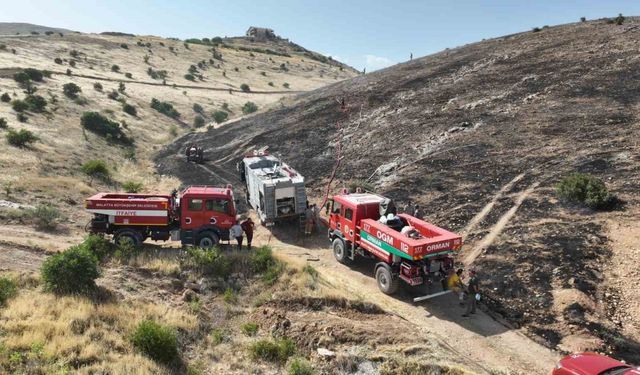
121	87
123	45
220	116
71	90
156	341
128	75
244	87
36	103
189	77
19	105
22	78
132	187
197	108
285	85
249	107
587	189
620	19
74	53
583	19
128	108
57	60
45	216
6	98
115	68
95	168
198	121
8	290
34	74
21	138
97	86
73	271
3	123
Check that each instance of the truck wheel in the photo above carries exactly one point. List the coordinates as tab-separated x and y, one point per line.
340	251
127	236
208	240
386	282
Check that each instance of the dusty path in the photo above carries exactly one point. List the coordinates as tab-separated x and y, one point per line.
19	258
486	343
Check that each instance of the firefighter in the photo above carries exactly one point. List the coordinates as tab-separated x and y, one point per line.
454	284
236	232
247	227
474	294
308	217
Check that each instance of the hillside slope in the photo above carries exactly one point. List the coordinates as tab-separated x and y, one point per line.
479	136
148	67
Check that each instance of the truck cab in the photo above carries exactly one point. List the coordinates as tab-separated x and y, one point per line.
346	212
206	214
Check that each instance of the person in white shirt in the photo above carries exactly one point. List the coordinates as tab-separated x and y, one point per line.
236	232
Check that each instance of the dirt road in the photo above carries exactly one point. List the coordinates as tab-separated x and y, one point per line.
487	344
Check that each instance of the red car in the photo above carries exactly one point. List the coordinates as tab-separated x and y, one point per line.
592	364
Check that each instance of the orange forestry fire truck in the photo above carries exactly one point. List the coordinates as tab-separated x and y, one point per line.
407	248
199	215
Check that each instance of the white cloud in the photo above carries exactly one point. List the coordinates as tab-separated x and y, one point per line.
373	62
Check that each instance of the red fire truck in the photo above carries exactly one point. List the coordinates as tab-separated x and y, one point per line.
199	215
420	256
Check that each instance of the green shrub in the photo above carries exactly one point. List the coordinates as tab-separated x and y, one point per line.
583	19
220	116
3	47
128	75
249	107
72	63
189	77
271	84
249	328
115	68
157	74
34	74
45	216
244	87
300	366
97	86
218	336
173	130
8	290
113	95
276	351
57	60
98	245
619	20
263	262
164	108
81	100
95	168
121	87
71	271
22	117
586	189
197	108
209	262
20	138
128	108
198	121
71	90
132	186
68	72
74	53
99	124
22	78
19	105
6	98
230	296
3	123
536	29
285	85
156	341
123	45
36	103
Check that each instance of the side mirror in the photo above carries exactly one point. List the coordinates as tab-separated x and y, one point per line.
327	207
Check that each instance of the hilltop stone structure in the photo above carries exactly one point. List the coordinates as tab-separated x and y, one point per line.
260	33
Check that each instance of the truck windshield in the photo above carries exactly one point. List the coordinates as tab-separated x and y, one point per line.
217	205
336	208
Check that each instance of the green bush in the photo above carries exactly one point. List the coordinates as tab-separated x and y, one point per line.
3	47
209	262
22	78
198	121
128	108
74	53
164	108
95	168
249	328
57	60
20	138
45	216
218	336
271	84
3	123
300	366
19	105
99	124
36	103
156	341
244	87
123	45
276	351
72	63
22	117
230	296
197	108
157	74
121	87
98	245
132	186
97	86
619	20
263	262
189	77
71	90
6	98
173	130
586	189
34	74
249	107
285	85
71	271
128	75
8	290
113	95
220	116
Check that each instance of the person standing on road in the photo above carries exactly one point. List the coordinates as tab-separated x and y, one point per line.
316	217
247	226
474	294
236	232
454	284
308	217
416	212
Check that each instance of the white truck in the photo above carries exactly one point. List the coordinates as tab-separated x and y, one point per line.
273	188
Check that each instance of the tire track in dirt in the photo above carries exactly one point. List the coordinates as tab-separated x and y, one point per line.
499	226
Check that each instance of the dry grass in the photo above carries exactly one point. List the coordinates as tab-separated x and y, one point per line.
79	333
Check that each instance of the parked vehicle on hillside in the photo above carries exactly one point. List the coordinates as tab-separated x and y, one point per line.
407	248
199	215
195	154
593	364
274	189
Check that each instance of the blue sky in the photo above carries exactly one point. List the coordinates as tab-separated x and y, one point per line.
371	34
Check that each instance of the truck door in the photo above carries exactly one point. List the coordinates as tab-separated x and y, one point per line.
348	223
218	212
335	221
192	214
